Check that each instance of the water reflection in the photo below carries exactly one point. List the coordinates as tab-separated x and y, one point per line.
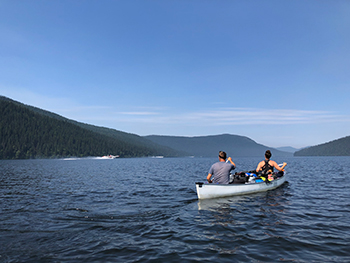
234	224
216	204
256	215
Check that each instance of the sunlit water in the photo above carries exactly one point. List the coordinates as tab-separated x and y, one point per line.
146	210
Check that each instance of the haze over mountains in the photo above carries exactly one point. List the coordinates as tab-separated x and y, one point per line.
30	132
209	146
287	149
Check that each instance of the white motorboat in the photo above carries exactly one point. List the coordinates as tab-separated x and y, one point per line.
110	156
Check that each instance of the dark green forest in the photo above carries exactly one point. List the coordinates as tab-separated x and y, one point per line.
339	147
28	132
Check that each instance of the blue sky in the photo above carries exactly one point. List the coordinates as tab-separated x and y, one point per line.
276	71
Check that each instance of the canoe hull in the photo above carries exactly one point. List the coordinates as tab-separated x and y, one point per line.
206	191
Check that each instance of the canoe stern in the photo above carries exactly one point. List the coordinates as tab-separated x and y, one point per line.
206	191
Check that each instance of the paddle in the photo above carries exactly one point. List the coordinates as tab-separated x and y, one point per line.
282	165
231	162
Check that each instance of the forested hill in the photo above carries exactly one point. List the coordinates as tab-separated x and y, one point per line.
339	147
209	146
29	132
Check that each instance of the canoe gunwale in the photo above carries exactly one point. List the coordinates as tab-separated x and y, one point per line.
207	191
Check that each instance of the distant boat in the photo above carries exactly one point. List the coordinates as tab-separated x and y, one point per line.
110	156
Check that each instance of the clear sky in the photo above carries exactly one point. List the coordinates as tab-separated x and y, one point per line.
276	71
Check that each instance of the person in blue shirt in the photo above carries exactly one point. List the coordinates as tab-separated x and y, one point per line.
221	170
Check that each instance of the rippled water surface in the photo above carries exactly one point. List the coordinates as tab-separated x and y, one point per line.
146	210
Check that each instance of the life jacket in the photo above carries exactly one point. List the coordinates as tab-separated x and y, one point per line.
267	168
239	178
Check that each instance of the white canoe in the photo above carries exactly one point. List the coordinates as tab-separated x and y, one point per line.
206	191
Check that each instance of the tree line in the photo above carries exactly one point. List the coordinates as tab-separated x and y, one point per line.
339	147
25	134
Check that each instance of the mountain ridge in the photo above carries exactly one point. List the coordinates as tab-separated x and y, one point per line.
30	132
287	149
57	136
209	146
338	147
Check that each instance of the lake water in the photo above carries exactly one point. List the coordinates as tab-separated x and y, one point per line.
146	210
